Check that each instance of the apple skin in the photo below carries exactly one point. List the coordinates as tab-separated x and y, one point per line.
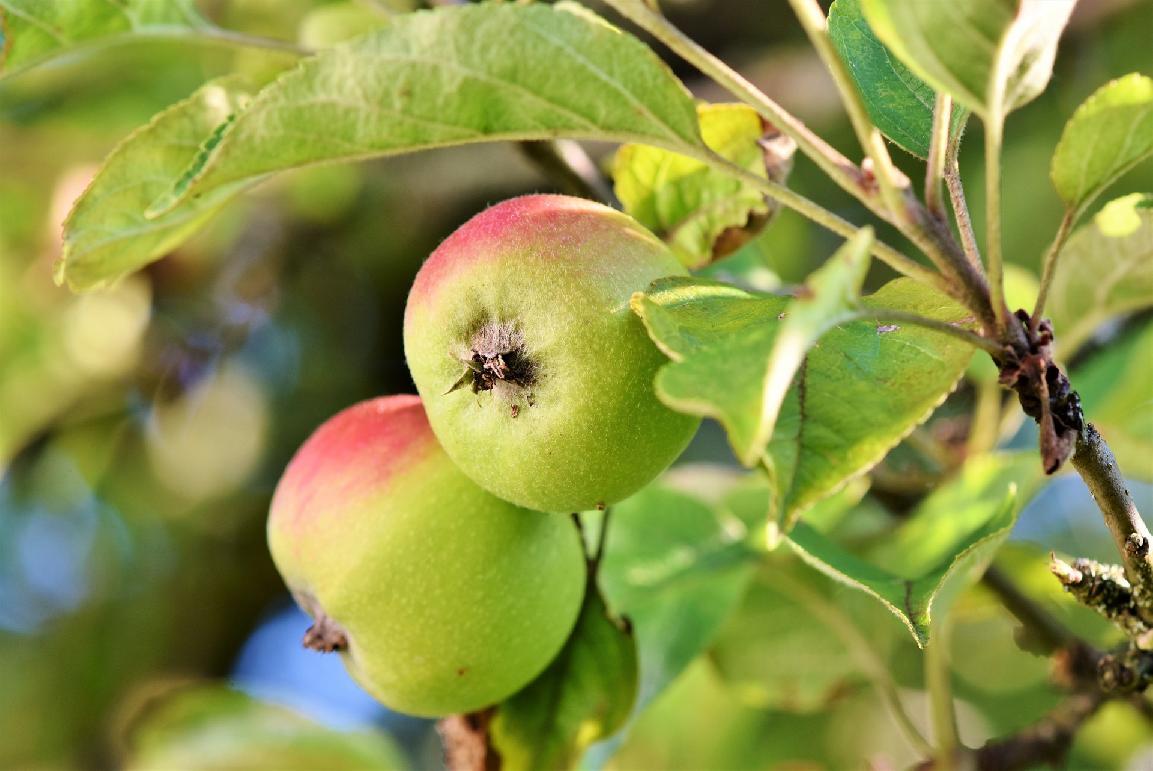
441	597
552	274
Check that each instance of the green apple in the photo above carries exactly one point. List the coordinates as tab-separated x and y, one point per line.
442	598
537	378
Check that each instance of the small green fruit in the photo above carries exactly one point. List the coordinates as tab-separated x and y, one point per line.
537	377
442	597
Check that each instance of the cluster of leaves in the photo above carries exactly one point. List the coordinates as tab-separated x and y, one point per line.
813	388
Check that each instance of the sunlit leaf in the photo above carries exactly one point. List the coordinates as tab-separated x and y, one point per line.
899	103
106	234
695	324
865	387
861	389
434	78
703	213
943	547
720	339
214	728
830	297
35	30
1117	394
991	56
1105	269
1110	133
584	696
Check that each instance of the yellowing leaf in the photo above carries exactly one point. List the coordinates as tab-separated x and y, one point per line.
703	213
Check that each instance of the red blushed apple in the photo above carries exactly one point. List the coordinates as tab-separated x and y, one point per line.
442	597
537	378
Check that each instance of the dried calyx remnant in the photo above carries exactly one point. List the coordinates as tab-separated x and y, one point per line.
325	635
497	360
1044	392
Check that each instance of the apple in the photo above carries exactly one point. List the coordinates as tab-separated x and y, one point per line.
441	597
537	378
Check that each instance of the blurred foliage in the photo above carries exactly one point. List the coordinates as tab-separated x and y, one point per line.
212	727
142	429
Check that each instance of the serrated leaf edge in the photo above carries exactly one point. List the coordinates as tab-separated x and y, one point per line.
794	514
68	251
199	170
919	621
1006	510
1089	104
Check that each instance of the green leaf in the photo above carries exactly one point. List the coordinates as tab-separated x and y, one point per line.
832	296
866	387
451	76
1104	270
700	726
899	103
106	234
584	696
752	502
32	31
675	567
742	378
991	56
859	392
703	213
942	549
1110	133
1115	391
781	649
776	655
720	339
215	728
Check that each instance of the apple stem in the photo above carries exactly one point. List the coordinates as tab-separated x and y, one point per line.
602	536
467	742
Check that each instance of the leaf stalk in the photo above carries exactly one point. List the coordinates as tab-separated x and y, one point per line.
941	707
993	139
961	214
938	150
959	279
936	325
839	168
1049	265
890	182
822	216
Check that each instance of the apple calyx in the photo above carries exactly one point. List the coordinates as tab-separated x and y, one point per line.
325	636
497	360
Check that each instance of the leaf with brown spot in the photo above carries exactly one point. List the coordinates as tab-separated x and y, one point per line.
704	214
